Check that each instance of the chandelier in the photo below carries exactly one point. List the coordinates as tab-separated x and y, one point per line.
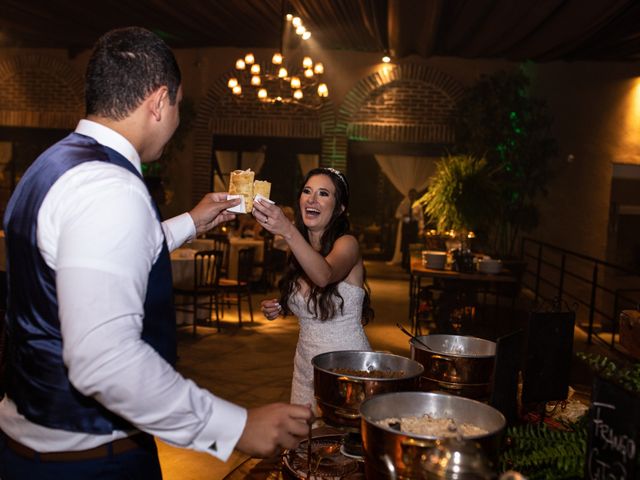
293	78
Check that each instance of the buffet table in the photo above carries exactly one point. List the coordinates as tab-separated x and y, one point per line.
449	285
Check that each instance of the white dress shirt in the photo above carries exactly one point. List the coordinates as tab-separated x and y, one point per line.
98	231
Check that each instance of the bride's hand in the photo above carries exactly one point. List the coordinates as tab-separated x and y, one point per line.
270	308
271	217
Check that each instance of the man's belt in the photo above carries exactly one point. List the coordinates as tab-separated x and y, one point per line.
115	447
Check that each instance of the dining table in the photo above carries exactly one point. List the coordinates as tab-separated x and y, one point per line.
450	290
235	245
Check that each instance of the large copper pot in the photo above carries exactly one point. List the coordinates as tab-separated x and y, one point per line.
339	395
456	364
392	454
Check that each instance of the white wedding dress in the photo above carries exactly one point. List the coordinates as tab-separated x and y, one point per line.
342	332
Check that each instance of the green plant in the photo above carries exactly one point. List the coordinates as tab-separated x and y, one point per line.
498	119
627	377
462	194
539	452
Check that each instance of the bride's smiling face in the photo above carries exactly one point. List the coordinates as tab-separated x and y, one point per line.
318	202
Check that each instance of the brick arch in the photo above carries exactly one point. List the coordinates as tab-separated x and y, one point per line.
40	91
220	114
371	109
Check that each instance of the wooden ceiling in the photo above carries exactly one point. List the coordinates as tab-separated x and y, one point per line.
538	30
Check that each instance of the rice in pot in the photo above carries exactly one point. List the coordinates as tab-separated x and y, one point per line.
432	427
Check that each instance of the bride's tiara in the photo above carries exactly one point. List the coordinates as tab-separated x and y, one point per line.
338	174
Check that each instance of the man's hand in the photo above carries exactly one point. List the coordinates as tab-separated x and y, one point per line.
211	211
274	427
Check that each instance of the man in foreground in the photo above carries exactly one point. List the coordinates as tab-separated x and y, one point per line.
90	321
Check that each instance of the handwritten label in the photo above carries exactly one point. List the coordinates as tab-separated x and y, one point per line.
613	433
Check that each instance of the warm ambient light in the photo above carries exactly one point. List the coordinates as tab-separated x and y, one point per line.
270	82
386	59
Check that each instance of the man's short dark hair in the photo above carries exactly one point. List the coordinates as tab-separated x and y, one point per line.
126	65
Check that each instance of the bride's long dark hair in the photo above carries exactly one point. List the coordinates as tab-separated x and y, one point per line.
320	300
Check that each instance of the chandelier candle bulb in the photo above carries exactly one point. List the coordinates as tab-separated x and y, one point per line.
276	83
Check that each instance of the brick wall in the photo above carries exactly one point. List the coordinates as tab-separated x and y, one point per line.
407	103
40	91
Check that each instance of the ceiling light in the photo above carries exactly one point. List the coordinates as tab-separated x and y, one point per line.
271	83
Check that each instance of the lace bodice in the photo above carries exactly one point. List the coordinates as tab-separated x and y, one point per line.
342	332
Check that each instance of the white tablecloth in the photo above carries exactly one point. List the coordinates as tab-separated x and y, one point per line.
235	245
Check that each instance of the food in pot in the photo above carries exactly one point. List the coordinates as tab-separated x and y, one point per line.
432	426
368	373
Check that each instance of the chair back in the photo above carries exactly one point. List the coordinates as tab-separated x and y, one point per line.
245	264
221	243
206	268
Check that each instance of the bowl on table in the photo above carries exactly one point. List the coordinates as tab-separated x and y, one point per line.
434	259
489	265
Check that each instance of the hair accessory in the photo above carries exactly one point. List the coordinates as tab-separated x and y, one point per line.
338	174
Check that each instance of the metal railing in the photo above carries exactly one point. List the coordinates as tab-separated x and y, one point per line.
597	290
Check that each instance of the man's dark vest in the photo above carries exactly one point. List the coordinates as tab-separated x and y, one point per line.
36	378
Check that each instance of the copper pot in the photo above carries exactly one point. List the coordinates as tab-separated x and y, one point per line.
339	395
392	454
455	364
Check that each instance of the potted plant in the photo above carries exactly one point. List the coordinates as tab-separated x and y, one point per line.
498	119
461	198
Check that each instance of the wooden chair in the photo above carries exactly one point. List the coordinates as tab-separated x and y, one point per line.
206	277
234	290
221	242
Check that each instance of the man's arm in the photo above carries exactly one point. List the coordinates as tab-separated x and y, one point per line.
207	214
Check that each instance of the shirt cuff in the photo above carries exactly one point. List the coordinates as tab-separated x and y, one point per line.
221	434
178	230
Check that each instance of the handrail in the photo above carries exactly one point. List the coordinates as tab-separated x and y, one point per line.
592	284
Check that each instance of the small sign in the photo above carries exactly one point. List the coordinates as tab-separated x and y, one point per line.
614	426
548	359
